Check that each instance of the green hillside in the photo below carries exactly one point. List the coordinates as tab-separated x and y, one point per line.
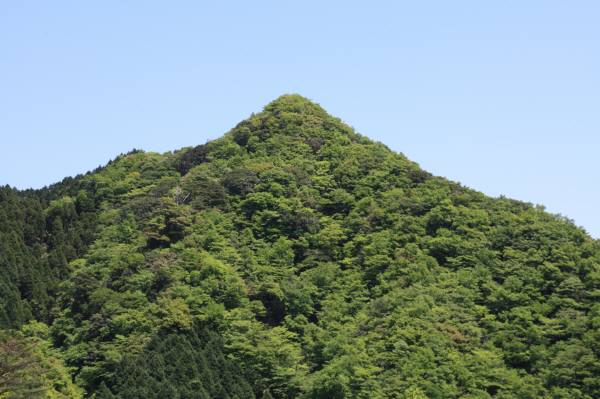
291	258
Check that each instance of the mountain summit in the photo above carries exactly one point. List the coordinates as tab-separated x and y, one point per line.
294	115
291	258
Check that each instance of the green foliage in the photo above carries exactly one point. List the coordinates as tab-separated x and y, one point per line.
176	365
294	258
31	368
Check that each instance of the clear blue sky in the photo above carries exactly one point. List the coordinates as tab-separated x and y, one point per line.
502	96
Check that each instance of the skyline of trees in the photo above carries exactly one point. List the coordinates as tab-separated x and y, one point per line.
294	258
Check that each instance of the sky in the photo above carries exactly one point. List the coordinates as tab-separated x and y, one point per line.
501	96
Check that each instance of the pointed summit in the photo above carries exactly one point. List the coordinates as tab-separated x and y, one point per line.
297	104
291	125
296	118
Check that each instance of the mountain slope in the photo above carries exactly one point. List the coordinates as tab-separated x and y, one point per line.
296	258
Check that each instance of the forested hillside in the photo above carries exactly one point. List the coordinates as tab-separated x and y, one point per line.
291	258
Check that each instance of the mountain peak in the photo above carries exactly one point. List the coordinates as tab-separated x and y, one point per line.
297	104
295	117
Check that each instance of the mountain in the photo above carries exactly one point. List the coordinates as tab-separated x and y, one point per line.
291	258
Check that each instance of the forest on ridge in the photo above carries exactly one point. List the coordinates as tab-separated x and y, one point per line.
290	258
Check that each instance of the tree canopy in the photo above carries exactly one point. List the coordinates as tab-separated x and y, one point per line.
291	258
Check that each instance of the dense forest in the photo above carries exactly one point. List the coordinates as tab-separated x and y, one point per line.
291	258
